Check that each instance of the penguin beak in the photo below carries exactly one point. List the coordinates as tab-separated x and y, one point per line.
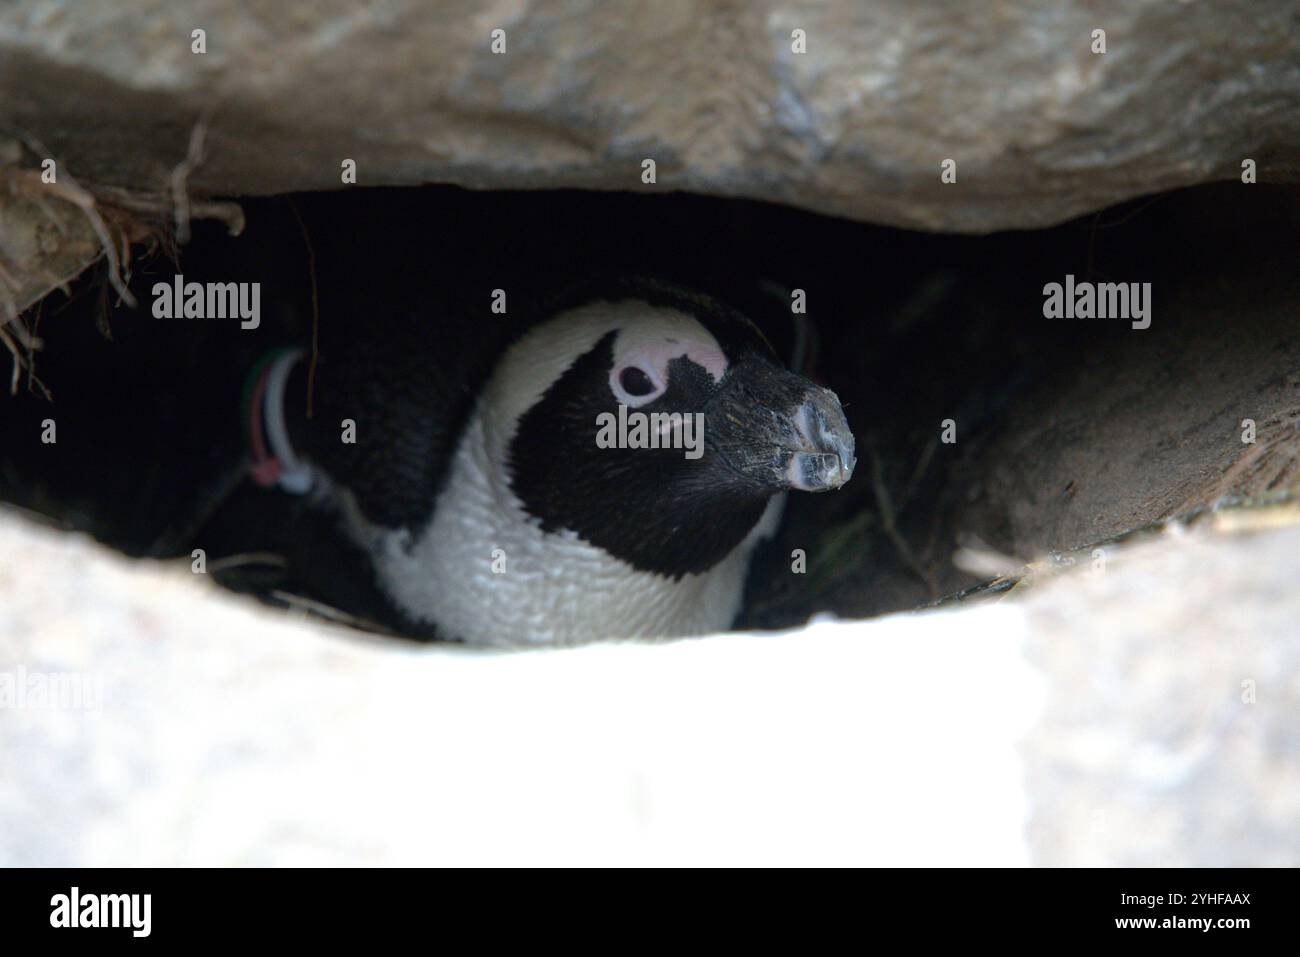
824	457
779	430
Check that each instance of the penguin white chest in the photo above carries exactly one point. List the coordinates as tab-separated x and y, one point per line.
485	572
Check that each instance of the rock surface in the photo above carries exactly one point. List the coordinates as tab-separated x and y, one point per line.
1041	128
1144	715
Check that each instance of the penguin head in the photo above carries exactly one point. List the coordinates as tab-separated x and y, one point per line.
656	424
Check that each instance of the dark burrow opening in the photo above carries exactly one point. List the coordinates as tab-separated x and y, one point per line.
1066	431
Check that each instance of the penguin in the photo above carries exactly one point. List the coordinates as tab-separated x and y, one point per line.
496	490
600	462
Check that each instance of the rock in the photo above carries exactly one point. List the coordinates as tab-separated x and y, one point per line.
1168	734
1144	715
1041	128
1148	425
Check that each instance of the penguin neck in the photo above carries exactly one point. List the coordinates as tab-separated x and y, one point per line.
483	571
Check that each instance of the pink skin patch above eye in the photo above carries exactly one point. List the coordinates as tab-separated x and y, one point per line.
656	355
654	341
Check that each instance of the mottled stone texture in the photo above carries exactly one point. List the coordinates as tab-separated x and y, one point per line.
1041	128
1103	719
1169	733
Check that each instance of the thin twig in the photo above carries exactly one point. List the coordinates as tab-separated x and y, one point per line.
887	519
71	191
248	558
181	174
315	309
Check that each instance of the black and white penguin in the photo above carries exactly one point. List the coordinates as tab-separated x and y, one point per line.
492	511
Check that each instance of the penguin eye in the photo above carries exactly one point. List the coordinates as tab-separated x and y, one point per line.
635	382
635	385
